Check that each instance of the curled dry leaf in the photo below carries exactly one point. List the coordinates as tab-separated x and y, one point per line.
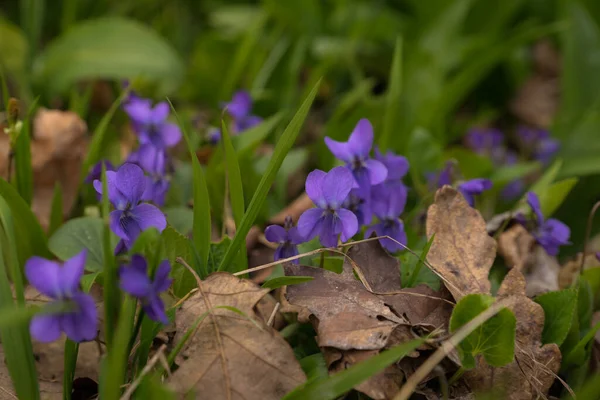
519	250
462	253
533	371
229	356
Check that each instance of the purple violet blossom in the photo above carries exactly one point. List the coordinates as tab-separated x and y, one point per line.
329	220
151	123
126	187
388	207
356	203
135	281
61	283
287	237
543	147
96	171
550	233
474	187
153	161
239	108
397	166
436	180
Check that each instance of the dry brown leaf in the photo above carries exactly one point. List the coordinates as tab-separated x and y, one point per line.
422	306
515	245
533	371
349	316
229	356
58	146
378	268
462	253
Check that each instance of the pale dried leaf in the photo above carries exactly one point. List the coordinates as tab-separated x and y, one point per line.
462	253
259	364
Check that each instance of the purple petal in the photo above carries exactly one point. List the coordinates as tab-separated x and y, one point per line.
513	189
331	227
534	202
96	171
115	196
309	223
160	112
247	123
361	139
314	187
286	251
148	216
397	166
44	275
131	182
294	236
341	150
115	221
377	171
161	277
468	196
336	186
170	134
276	234
240	105
139	110
349	224
134	280
150	158
45	328
82	325
395	230
155	310
71	272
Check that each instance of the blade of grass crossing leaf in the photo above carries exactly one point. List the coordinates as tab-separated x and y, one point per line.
118	355
56	210
16	342
421	262
97	142
336	385
111	292
23	169
286	281
235	186
201	228
392	110
283	146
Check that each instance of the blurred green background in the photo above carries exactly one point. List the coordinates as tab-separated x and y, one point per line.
423	72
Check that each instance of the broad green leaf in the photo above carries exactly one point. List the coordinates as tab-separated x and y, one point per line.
581	350
176	245
555	195
336	385
180	218
286	281
592	277
284	144
109	48
505	174
29	236
13	47
314	366
559	308
471	165
56	210
218	251
78	234
542	184
425	155
146	245
494	339
393	104
201	227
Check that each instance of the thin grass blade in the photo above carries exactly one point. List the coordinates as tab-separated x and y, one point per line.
393	105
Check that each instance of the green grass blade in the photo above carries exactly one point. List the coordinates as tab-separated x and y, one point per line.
283	146
32	21
23	169
4	87
233	177
201	228
421	262
392	108
111	291
70	361
56	210
336	385
98	138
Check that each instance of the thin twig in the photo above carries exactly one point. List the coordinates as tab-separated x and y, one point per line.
147	368
215	324
588	233
448	346
273	314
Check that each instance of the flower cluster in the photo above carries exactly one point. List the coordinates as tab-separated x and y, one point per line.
469	189
549	233
287	238
239	108
74	312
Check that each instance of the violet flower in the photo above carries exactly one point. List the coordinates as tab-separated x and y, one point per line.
61	283
543	147
126	187
96	171
288	239
436	180
397	166
356	203
151	123
329	220
388	207
153	161
135	281
474	187
239	108
550	233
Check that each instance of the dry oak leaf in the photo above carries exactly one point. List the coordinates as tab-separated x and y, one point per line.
348	315
462	253
229	356
380	270
533	371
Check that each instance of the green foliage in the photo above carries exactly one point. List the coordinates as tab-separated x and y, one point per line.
559	308
275	283
494	339
414	274
394	96
56	210
108	48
